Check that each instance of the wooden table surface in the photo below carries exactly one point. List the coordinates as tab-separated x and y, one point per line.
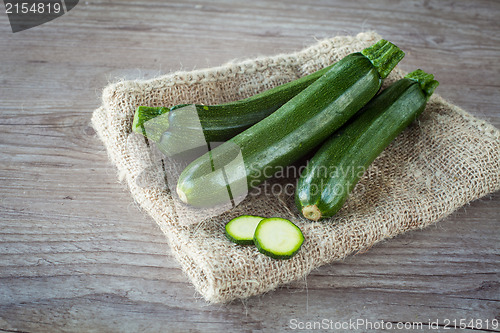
77	255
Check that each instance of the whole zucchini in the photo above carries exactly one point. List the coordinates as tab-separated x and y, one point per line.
290	132
218	122
335	169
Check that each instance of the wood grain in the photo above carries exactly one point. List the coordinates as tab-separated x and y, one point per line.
76	253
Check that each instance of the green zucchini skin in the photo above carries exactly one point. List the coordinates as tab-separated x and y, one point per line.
284	136
336	168
223	121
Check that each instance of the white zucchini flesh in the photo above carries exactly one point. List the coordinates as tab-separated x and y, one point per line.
278	238
241	229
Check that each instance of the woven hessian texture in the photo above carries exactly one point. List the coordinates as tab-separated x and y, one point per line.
444	160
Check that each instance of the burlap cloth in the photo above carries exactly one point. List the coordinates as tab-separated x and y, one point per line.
441	162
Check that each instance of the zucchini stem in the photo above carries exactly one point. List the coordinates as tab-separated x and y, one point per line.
311	212
384	56
155	126
182	195
426	81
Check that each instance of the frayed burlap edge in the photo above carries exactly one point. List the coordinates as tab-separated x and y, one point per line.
445	160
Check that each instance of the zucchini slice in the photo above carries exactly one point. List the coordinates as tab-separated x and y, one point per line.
278	238
241	229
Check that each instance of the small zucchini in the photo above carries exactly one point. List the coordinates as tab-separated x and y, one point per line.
278	238
332	173
289	133
241	229
220	122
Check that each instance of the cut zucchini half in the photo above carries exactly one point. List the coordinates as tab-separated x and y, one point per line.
278	238
241	229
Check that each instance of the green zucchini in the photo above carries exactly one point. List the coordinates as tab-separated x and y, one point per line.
332	173
290	132
241	229
278	238
219	122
